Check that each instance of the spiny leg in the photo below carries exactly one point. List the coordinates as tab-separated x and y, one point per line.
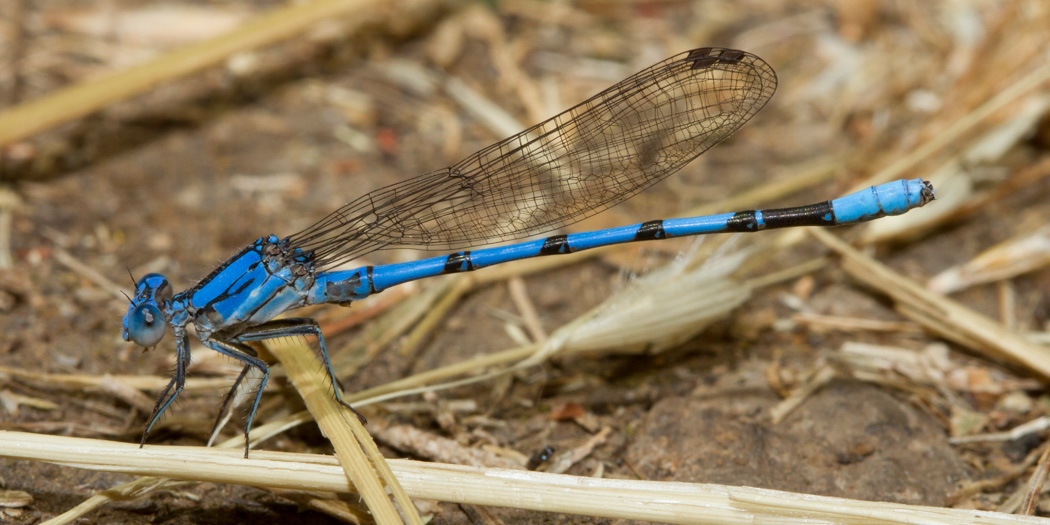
162	404
178	380
246	355
226	402
300	326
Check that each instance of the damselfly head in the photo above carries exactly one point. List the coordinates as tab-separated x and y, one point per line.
145	323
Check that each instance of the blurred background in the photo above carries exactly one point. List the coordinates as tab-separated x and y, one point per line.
143	136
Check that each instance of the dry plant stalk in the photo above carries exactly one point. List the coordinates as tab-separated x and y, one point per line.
144	485
79	382
1022	254
360	457
82	99
939	314
662	501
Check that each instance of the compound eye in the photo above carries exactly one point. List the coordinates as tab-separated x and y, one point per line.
146	325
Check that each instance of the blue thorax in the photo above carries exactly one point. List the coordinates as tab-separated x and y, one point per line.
260	282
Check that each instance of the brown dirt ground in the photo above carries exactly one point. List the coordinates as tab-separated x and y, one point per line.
179	179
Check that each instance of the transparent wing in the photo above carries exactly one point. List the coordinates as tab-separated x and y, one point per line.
567	168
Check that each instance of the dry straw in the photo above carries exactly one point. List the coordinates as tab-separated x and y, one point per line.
667	502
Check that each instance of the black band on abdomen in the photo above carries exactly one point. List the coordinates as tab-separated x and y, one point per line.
812	215
555	245
458	262
650	231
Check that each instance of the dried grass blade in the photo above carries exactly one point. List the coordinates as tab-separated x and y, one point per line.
358	454
662	501
939	314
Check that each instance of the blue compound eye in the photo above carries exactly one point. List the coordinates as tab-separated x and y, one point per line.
146	325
